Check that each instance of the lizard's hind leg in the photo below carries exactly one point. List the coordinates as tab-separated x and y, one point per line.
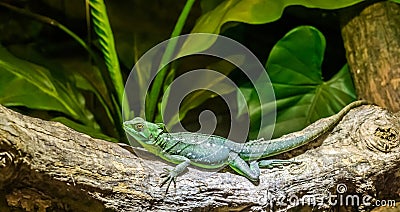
251	172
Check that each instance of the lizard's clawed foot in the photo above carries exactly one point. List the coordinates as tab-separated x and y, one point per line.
276	163
170	176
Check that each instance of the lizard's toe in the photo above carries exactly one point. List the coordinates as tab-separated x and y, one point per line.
170	176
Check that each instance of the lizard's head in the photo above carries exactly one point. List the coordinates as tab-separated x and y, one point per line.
143	131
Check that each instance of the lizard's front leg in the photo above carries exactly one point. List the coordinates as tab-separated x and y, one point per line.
170	175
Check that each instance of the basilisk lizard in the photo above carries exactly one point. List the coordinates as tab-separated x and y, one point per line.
211	151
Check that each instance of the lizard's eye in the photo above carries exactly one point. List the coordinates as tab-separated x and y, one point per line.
139	127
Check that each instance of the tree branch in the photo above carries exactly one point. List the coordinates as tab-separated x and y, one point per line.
45	165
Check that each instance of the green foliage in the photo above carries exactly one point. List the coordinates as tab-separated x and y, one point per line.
252	12
85	80
50	89
65	96
294	67
157	87
106	39
33	86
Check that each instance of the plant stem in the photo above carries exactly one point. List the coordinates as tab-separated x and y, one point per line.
158	82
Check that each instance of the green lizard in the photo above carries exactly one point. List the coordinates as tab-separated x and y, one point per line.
210	151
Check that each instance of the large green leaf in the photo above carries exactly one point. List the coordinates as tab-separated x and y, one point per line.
294	67
253	12
324	99
78	70
208	5
26	84
106	39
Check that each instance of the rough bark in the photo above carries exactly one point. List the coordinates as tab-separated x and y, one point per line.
47	166
371	36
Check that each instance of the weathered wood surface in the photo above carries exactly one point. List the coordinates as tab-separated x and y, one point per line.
45	165
371	36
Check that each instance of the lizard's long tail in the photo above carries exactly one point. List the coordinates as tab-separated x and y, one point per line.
260	149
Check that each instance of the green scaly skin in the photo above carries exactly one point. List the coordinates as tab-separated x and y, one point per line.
210	151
